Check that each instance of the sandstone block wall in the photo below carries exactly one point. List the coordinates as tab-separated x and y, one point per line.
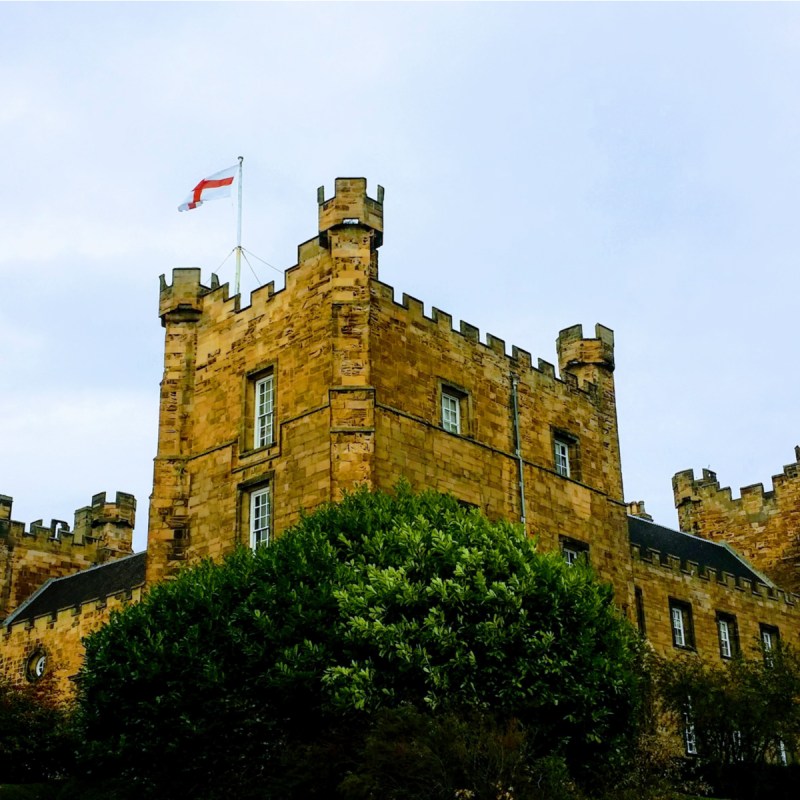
312	338
358	380
29	557
708	593
762	525
59	638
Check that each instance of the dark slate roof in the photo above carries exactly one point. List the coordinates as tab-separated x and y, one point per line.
688	547
94	583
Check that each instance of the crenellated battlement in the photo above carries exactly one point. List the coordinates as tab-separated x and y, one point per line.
761	524
674	565
575	351
89	521
752	498
29	555
350	206
519	360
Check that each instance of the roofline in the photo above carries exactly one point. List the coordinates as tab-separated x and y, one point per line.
724	545
10	619
761	575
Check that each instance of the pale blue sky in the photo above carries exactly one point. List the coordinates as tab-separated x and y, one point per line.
544	164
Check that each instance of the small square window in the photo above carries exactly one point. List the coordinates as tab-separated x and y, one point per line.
727	631
573	550
682	628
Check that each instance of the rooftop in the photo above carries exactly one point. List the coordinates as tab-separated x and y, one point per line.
95	583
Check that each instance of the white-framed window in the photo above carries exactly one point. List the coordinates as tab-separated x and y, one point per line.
264	412
561	454
769	640
573	549
728	635
566	454
682	630
678	628
725	647
451	412
260	504
36	665
736	746
689	735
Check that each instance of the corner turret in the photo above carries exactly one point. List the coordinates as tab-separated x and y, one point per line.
590	364
584	358
111	524
183	300
350	206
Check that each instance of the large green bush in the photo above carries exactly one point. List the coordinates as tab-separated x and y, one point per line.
262	675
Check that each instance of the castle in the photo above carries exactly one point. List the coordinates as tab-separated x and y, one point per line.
271	409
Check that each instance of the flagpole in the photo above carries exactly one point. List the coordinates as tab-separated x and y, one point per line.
239	230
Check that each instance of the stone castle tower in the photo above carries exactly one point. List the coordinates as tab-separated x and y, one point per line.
273	408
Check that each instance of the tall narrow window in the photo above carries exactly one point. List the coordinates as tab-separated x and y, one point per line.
264	412
640	610
682	629
724	638
769	640
689	735
566	454
451	412
728	635
561	452
259	517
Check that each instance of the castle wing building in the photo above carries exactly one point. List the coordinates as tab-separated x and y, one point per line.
270	409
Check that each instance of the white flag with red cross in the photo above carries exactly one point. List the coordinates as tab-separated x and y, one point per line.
212	188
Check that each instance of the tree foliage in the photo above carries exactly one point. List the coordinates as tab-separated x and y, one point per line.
745	716
265	672
35	733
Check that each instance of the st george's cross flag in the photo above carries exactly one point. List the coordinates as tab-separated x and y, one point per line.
212	188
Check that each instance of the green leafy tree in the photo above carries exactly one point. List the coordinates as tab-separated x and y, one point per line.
745	716
266	672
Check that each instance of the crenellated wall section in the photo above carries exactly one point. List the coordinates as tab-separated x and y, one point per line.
662	576
358	380
58	638
29	556
762	525
417	356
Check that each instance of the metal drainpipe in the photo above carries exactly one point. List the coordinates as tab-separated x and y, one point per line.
514	382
